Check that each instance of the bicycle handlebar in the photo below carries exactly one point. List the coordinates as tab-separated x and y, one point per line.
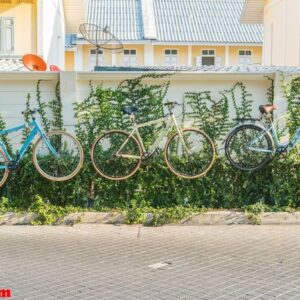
170	103
31	112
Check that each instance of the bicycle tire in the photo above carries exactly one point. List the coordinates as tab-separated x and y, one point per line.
103	162
203	140
3	173
75	162
229	148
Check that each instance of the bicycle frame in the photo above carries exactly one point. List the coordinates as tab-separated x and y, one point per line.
36	129
289	145
170	123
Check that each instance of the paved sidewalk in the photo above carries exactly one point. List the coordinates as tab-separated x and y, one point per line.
171	262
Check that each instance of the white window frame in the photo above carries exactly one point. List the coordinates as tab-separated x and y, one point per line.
93	59
3	35
208	55
245	59
130	59
171	59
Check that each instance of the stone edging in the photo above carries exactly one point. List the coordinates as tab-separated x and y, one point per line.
208	218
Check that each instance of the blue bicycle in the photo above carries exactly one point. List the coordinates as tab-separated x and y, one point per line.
57	155
253	144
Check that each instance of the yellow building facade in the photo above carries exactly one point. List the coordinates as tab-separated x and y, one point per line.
189	55
40	27
281	20
18	25
163	33
35	27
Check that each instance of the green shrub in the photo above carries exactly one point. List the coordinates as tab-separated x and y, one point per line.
154	186
48	214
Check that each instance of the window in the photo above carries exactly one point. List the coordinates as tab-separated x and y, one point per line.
245	57
93	58
170	57
208	57
130	58
6	35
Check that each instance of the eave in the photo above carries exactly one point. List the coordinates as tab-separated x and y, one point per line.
253	12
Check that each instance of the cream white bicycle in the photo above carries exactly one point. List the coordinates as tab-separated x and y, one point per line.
117	154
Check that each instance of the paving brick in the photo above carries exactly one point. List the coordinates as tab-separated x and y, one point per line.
112	262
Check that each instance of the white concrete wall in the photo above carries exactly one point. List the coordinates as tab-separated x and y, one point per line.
181	83
14	88
51	29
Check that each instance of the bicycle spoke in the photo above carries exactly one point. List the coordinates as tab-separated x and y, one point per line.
62	160
191	157
246	148
116	156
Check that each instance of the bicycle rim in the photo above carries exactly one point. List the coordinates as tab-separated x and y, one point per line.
192	158
4	171
62	164
108	155
239	142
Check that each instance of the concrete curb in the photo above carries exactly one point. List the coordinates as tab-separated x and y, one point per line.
12	218
208	218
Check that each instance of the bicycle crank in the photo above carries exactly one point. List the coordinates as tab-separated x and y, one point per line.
14	166
147	156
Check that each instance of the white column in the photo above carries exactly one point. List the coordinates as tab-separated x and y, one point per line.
113	58
189	58
148	55
40	37
51	32
78	59
227	56
68	92
299	35
285	33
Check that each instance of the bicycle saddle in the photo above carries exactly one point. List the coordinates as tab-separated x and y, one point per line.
170	103
267	108
130	110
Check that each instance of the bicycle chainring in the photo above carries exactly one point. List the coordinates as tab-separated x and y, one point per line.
14	166
282	151
147	156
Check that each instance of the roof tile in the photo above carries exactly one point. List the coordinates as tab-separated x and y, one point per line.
196	21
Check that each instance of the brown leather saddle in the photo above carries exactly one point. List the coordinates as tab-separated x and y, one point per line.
267	108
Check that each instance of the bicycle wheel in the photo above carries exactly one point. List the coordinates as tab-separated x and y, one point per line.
192	158
116	155
4	171
63	161
237	147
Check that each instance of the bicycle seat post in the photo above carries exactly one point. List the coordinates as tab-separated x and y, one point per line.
171	106
132	118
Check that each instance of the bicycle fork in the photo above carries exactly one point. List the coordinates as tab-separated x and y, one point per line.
180	135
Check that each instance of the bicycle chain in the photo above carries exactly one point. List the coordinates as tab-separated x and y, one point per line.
147	156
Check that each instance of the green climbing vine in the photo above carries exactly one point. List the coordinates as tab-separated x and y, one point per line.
4	137
291	92
154	185
271	90
56	108
213	115
210	115
42	107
